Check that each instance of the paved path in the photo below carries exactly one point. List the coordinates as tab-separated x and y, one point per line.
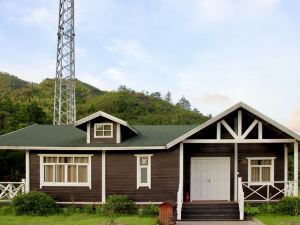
218	223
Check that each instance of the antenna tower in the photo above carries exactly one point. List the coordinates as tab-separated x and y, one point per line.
64	96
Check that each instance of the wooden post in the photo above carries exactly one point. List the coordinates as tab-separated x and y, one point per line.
235	170
240	123
180	189
296	168
285	168
88	132
103	177
27	172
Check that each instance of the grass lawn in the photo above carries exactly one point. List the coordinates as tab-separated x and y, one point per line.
275	219
76	219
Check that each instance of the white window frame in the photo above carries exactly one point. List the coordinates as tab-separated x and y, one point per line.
66	184
138	170
272	167
111	129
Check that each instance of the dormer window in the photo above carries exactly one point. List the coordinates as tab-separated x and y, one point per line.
103	130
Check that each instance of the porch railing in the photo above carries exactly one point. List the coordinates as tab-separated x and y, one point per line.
179	202
241	198
272	191
8	190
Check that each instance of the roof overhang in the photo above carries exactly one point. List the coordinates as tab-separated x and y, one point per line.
82	148
107	116
225	113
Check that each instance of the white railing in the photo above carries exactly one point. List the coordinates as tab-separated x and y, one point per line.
268	192
241	198
8	190
179	202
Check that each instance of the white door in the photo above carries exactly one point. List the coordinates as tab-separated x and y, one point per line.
210	178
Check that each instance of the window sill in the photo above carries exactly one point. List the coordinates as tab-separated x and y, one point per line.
66	185
144	186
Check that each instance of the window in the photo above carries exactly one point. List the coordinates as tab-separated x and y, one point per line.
143	171
65	170
103	130
261	170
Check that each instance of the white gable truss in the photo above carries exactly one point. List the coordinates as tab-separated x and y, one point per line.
238	136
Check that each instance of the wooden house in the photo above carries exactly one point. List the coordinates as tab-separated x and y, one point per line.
210	170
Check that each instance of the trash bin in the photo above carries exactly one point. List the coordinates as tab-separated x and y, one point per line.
167	213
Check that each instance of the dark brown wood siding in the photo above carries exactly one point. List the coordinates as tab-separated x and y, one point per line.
121	175
68	194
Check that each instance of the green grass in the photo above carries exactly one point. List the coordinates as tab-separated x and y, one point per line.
76	219
277	219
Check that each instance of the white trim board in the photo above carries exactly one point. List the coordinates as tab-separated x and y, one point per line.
228	111
100	203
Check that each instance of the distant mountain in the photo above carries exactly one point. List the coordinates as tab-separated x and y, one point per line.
23	103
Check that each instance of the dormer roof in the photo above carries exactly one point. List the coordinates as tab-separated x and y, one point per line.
107	116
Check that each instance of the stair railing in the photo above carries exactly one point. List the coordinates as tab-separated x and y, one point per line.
241	198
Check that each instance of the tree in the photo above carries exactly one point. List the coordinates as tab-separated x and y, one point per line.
168	97
196	110
156	95
184	103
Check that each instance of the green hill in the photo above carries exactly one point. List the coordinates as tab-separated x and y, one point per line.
23	103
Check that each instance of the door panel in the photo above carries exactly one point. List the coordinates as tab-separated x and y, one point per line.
210	179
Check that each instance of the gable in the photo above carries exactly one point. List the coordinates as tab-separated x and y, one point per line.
101	127
253	125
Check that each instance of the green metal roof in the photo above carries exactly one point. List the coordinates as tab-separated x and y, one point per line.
69	136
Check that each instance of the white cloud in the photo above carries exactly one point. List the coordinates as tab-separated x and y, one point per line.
96	81
43	68
39	16
129	51
117	75
208	12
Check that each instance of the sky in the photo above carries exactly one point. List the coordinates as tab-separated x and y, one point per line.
214	52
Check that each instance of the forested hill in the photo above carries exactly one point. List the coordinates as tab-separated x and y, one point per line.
23	103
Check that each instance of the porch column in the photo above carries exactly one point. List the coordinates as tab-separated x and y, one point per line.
103	175
27	172
180	188
235	170
286	162
181	166
285	167
296	168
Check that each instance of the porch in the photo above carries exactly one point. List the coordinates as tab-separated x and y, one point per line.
237	157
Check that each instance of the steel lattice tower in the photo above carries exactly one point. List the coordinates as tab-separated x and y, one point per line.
64	96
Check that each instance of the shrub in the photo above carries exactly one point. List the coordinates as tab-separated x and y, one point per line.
251	211
6	210
119	204
88	209
72	209
34	203
99	209
267	208
151	210
289	206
